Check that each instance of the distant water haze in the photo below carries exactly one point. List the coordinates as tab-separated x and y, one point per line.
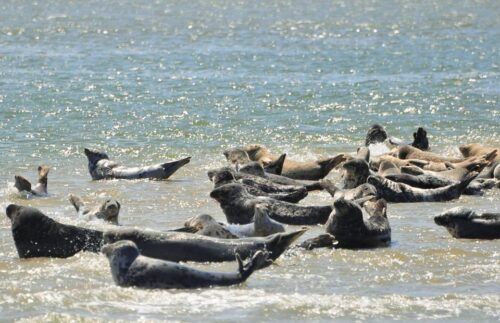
153	81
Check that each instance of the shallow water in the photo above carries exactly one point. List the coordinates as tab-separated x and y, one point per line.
153	81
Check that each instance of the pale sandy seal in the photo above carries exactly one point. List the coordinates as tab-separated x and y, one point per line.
108	210
409	152
130	268
238	206
40	189
261	226
354	227
465	223
311	170
399	192
100	167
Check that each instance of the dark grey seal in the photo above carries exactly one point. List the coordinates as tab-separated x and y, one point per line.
238	206
107	211
375	135
100	167
354	227
40	189
355	172
36	235
399	192
129	268
465	223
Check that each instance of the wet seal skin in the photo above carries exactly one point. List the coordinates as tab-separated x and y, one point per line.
464	223
108	210
100	167
130	268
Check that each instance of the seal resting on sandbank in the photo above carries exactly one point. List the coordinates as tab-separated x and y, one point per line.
100	167
40	189
130	268
462	222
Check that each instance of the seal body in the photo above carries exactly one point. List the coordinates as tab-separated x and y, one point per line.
107	211
129	268
465	223
100	167
36	235
40	189
238	206
353	227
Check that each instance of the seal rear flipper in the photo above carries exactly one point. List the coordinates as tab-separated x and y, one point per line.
76	201
330	163
276	166
184	229
258	261
22	184
171	167
329	186
279	242
420	140
43	173
325	240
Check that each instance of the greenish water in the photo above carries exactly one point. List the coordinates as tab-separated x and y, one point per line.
149	81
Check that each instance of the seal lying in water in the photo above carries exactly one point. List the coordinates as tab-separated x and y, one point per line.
465	223
129	268
100	167
40	189
311	170
238	206
354	227
178	246
399	192
36	235
107	211
261	226
227	177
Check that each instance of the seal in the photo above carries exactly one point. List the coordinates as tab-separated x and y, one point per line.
358	192
355	172
178	246
409	152
107	211
293	196
261	227
236	156
475	149
238	206
399	192
354	227
130	268
465	223
100	167
376	134
388	168
309	170
36	235
40	189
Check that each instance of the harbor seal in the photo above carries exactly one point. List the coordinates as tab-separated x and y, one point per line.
236	156
462	222
474	149
107	211
227	177
376	134
238	206
129	268
354	227
40	189
355	172
399	192
36	235
100	167
309	170
261	226
178	246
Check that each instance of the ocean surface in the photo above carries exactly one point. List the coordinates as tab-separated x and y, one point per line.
153	81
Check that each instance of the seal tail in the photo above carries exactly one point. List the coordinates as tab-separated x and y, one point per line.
279	242
259	260
76	201
263	224
171	167
292	197
43	173
22	184
275	167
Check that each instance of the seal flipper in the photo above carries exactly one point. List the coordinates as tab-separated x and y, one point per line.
330	163
259	260
22	184
76	201
325	240
263	224
275	167
43	173
184	229
171	167
279	242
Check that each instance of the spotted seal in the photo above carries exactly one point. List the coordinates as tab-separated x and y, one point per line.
462	222
130	268
107	211
40	189
100	167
